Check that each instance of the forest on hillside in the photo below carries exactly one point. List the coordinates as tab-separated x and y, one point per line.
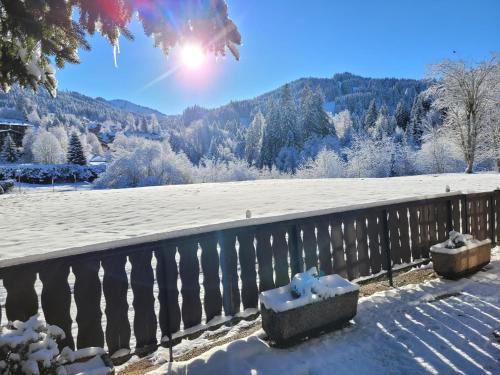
344	126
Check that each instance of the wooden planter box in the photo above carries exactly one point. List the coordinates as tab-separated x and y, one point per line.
454	263
295	319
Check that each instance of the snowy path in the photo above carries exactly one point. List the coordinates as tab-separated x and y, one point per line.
31	225
437	327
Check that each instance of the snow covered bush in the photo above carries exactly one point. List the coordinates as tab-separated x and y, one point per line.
218	171
439	154
369	157
30	348
327	164
140	162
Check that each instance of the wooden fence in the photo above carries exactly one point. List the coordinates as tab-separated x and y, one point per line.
235	264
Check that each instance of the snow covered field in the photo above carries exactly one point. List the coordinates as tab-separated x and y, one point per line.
438	327
33	225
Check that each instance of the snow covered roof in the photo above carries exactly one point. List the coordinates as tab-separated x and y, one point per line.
9	121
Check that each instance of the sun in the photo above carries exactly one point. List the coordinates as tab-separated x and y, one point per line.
192	56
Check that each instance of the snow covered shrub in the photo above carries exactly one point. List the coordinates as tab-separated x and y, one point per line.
439	154
140	162
30	348
327	164
218	171
370	157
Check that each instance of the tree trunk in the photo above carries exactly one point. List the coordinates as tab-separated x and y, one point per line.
498	164
470	163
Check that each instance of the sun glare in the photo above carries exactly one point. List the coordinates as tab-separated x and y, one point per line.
192	56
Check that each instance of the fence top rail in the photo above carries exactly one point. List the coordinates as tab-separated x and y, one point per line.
196	231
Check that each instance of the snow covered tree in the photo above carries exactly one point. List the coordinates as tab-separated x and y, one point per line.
46	149
370	116
370	157
76	154
381	127
8	153
466	94
491	137
402	116
28	139
343	123
154	125
438	153
95	144
414	130
313	119
288	159
33	31
271	141
290	134
62	136
254	135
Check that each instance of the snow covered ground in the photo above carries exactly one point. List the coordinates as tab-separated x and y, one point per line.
438	327
34	226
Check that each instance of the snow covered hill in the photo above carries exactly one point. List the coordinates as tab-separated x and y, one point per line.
34	226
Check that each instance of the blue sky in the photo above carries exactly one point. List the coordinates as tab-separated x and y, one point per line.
288	39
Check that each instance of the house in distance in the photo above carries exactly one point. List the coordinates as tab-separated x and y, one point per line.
16	129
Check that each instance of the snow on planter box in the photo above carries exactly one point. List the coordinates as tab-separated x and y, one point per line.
331	303
460	255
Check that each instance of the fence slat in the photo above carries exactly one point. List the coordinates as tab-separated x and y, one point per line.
416	246
350	248
249	291
87	291
115	288
142	282
455	214
404	238
189	271
374	231
393	224
337	238
168	294
22	301
280	255
211	281
265	259
325	254
229	267
309	244
56	299
362	246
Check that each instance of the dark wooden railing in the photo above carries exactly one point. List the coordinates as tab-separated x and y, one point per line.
196	277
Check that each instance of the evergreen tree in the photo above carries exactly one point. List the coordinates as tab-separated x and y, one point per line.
75	151
415	127
254	139
402	116
9	152
271	141
289	136
370	116
314	120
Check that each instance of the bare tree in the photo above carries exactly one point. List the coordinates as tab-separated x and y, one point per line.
466	95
